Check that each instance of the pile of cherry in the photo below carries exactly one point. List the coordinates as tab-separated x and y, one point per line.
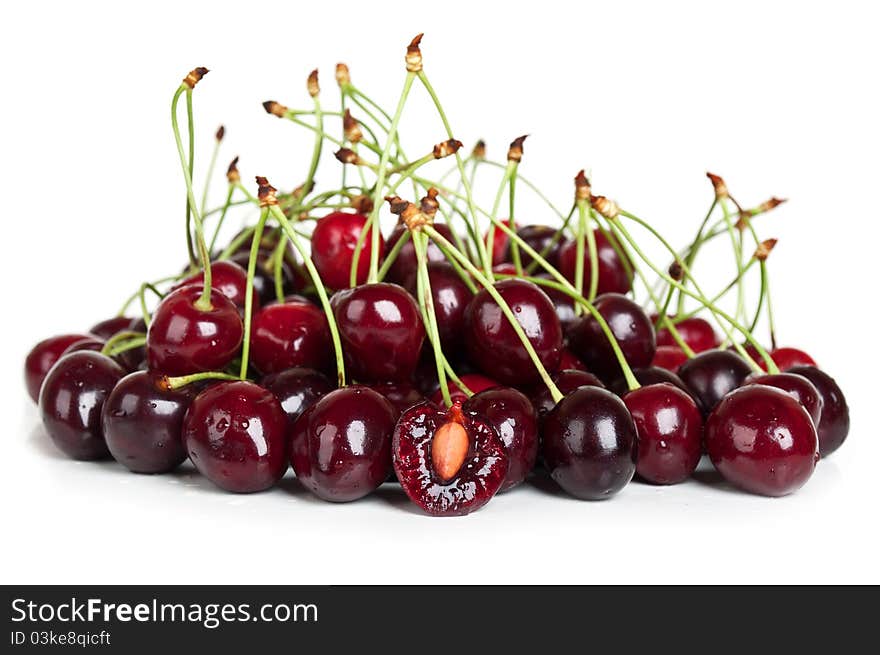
629	394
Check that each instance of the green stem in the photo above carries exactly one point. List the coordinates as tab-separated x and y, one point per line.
222	218
426	303
249	293
184	380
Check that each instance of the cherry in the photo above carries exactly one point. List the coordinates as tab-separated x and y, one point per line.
504	268
297	389
694	331
796	386
451	297
228	278
630	326
670	431
473	381
184	339
333	244
833	426
513	417
589	443
762	440
562	302
567	380
71	399
234	433
381	331
569	362
713	374
134	358
786	358
87	343
288	335
493	345
613	275
107	328
400	394
142	421
538	237
42	357
264	275
649	376
404	265
669	357
449	463
499	243
340	447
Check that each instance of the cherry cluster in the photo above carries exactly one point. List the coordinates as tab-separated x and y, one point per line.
458	357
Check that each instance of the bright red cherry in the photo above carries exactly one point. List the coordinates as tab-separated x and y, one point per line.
228	278
785	358
696	332
796	386
42	357
499	243
334	241
290	335
833	426
713	374
669	357
613	275
405	263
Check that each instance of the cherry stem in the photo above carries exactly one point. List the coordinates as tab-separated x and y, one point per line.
514	247
694	248
212	163
222	218
136	294
192	154
391	257
426	302
256	239
531	186
678	318
184	380
554	241
319	144
490	235
111	347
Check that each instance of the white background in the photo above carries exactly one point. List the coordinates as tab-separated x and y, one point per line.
780	98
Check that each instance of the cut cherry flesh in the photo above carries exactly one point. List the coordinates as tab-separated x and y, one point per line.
340	447
400	394
696	332
796	386
713	374
288	335
833	426
297	389
234	433
450	296
405	264
228	278
567	381
470	457
669	357
71	399
381	331
184	339
762	440
493	344
107	328
334	241
42	357
613	275
142	421
514	419
670	431
589	443
473	381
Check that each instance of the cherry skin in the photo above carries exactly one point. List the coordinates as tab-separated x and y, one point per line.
297	389
228	278
833	426
42	357
499	243
405	263
289	335
567	381
670	432
473	381
630	326
613	275
400	394
562	302
449	463
135	358
568	361
713	374
340	447
184	339
589	443
514	419
71	399
493	345
538	237
762	440
796	386
669	357
107	328
694	331
333	244
234	433
264	275
142	421
649	376
88	343
450	296
381	331
786	358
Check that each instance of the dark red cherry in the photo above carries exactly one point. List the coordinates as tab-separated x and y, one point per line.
381	331
505	268
451	297
796	386
333	244
71	399
713	374
567	381
762	440
669	357
589	443
234	433
492	343
694	331
42	357
649	376
833	426
514	419
184	339
290	335
449	463
499	243
670	432
264	275
142	420
473	381
538	237
405	264
568	361
786	358
297	389
135	358
613	275
88	343
630	326
400	394
107	328
562	302
340	447
228	278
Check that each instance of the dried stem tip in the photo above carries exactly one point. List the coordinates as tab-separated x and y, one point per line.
676	272
764	248
429	204
479	151
232	174
410	215
446	148
351	127
582	190
414	55
607	208
767	205
312	84
515	152
362	204
275	108
266	192
343	77
221	132
192	78
347	156
719	185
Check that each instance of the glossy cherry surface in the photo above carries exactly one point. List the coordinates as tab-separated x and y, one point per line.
613	275
471	452
630	326
264	275
567	380
563	303
289	335
450	296
589	443
183	339
381	331
538	237
649	376
402	395
833	426
669	357
71	399
234	433
340	447
786	358
473	381
670	432
297	389
569	361
694	331
107	328
405	263
228	278
333	245
42	357
713	374
492	343
142	421
762	440
796	386
516	422
88	343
